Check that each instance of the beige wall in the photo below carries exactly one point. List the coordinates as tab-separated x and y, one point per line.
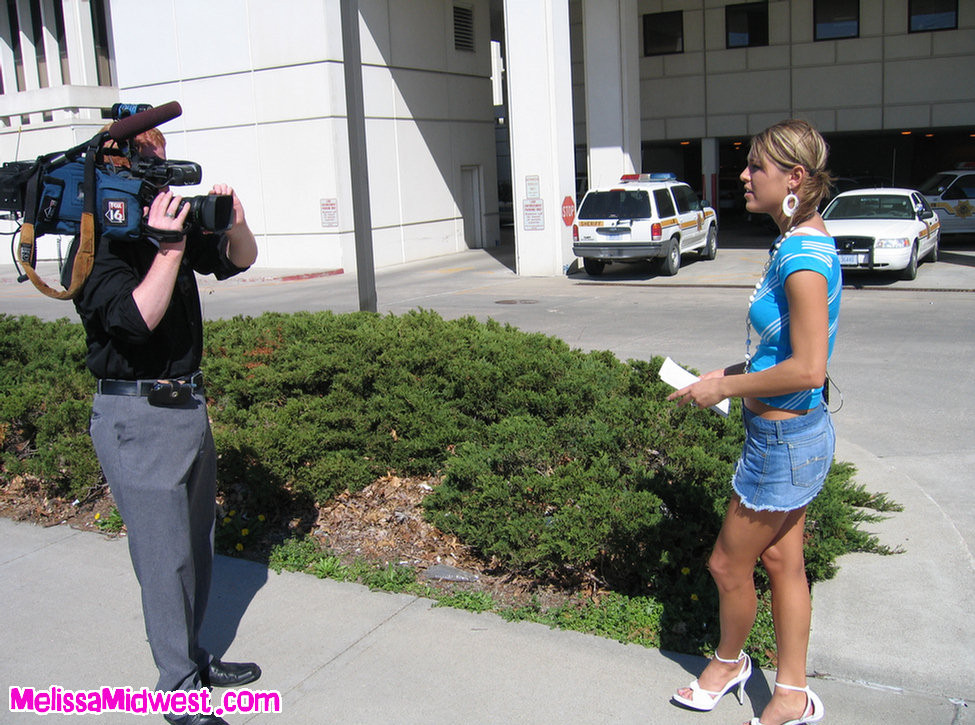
886	79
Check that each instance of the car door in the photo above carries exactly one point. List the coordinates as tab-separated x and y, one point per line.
932	225
691	217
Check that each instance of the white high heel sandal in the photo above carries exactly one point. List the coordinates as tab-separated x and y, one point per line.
705	700
812	713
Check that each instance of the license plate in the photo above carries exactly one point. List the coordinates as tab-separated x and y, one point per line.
850	260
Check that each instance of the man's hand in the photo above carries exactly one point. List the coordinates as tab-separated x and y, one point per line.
242	250
167	213
225	190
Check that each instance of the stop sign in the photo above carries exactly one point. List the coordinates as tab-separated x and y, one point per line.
568	211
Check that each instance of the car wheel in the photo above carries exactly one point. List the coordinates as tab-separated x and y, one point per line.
594	267
671	263
710	250
910	271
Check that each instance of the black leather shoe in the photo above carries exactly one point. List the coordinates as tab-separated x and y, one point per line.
195	720
229	674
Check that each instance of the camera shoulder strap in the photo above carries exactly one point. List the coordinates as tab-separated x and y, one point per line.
84	258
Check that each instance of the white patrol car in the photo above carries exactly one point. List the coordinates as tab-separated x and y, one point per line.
952	195
883	230
645	216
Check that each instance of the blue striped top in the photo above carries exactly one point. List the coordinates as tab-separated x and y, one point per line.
769	312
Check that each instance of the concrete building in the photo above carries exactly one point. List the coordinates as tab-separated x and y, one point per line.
884	80
589	89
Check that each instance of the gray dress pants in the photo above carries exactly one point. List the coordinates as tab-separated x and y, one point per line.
160	464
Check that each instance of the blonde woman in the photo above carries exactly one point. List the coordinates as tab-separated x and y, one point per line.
789	439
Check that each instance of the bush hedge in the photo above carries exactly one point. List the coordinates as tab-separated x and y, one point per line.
567	465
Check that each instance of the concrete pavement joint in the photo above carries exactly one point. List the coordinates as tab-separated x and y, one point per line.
56	542
353	645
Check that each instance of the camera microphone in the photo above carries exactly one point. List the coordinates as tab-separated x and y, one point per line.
135	124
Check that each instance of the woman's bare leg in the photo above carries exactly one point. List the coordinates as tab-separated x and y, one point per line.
744	536
791	612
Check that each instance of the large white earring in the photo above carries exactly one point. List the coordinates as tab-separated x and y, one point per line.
789	204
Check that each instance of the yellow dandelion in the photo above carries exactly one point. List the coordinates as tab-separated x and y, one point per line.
239	547
97	516
226	519
232	513
685	571
260	517
693	597
244	532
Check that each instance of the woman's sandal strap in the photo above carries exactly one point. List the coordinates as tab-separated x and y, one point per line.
729	662
792	687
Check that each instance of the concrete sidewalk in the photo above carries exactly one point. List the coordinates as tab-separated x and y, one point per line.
892	638
338	653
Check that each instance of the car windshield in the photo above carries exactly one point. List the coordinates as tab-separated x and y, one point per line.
615	204
873	206
936	184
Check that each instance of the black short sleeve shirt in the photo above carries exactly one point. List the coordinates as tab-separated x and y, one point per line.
120	345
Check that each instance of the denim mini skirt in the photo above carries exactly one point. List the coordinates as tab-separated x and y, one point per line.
784	462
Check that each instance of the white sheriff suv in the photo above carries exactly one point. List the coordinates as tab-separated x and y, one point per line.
952	195
645	216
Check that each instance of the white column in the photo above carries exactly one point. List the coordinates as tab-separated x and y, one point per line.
50	32
611	55
542	141
710	164
7	55
79	36
27	51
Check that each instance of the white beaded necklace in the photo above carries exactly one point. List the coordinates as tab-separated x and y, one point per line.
758	286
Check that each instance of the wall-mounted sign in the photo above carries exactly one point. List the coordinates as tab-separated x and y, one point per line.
330	212
534	215
533	187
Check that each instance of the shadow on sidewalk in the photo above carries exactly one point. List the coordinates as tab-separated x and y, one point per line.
235	584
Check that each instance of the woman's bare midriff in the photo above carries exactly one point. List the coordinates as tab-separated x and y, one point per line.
768	412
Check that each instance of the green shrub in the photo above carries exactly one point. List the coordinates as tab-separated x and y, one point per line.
566	465
45	394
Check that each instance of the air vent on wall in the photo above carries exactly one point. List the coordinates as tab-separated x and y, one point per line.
463	28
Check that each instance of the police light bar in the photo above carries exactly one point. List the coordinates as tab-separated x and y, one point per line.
657	176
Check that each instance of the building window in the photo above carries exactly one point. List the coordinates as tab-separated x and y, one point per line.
464	28
932	15
663	33
62	43
18	82
746	25
99	27
835	19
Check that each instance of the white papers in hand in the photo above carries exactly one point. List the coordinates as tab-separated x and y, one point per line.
676	376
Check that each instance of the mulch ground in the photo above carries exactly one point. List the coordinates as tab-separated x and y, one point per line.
382	524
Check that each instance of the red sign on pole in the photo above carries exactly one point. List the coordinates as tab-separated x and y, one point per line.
568	211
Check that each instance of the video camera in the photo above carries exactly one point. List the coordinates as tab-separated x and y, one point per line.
99	189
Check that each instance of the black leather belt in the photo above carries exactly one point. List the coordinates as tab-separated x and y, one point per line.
138	388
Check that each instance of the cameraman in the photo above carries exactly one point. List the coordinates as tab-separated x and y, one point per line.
144	326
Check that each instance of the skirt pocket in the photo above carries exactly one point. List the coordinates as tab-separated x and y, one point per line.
810	459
